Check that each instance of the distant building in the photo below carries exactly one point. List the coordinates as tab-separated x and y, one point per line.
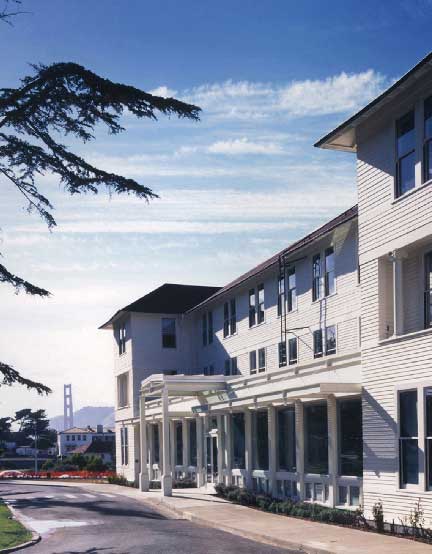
70	439
105	449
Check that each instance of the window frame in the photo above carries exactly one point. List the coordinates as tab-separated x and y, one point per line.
252	307
122	338
164	334
122	376
330	250
262	355
327	352
316	277
281	294
260	307
282	353
253	362
397	188
316	333
292	291
294	360
420	430
230	318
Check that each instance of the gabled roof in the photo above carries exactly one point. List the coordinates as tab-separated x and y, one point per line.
344	136
77	430
94	447
167	299
294	247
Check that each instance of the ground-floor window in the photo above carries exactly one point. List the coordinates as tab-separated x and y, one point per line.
178	443
156	444
192	443
286	439
260	439
124	446
238	438
428	445
316	438
350	437
408	438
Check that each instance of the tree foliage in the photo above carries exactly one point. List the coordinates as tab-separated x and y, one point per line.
65	99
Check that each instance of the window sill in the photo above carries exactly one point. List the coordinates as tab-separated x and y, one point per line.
410	192
406	336
324	298
257	325
230	336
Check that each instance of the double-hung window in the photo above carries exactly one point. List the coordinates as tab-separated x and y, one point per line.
427	140
122	390
316	277
234	368
318	343
252	361
230	318
261	309
428	290
122	338
282	354
408	438
292	289
329	276
252	308
169	332
281	295
261	359
292	351
230	366
405	153
124	446
330	337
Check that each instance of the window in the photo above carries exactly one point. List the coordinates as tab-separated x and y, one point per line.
178	437
68	437
428	445
124	446
282	354
252	361
292	350
227	366
330	334
155	438
204	329
316	438
350	437
427	140
261	309
73	437
408	439
226	320
234	368
428	290
230	318
292	289
238	438
405	153
316	277
252	308
286	439
122	390
84	437
210	327
122	339
261	359
317	343
329	277
78	437
260	440
281	295
192	443
168	332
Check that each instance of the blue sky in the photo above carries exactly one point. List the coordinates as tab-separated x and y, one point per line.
271	77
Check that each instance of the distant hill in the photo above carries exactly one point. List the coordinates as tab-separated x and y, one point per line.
89	415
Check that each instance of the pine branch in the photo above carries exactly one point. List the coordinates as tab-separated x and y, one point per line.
20	284
12	376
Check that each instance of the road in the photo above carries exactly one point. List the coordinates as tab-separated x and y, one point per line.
78	520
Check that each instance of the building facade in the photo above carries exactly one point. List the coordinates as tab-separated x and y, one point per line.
75	437
310	375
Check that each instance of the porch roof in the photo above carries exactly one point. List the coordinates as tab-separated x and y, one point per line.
182	385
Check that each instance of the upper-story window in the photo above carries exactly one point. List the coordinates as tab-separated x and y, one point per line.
405	153
292	351
318	343
316	277
122	338
261	359
230	366
329	276
292	289
281	294
230	318
256	306
427	140
282	354
122	390
330	337
169	332
428	290
252	361
207	328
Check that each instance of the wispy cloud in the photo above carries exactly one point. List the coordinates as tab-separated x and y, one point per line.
244	146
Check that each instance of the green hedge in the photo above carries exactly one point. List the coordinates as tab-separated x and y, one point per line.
293	508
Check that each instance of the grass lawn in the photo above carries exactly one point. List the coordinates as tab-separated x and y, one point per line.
11	531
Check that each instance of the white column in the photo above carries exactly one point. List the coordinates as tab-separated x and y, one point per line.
332	448
272	449
166	469
248	447
185	444
228	448
150	449
200	452
300	451
160	428
143	476
173	445
220	450
398	305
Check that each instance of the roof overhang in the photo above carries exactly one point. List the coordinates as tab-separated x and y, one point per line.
344	137
182	385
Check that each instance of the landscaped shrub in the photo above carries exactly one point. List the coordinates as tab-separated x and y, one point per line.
120	480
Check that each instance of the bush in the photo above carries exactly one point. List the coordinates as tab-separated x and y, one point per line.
120	480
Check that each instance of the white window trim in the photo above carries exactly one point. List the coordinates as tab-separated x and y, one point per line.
321	252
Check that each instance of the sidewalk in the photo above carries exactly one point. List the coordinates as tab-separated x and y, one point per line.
291	533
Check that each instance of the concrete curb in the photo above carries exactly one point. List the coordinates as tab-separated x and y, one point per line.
35	536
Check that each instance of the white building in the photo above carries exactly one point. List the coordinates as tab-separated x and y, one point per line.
69	440
310	375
